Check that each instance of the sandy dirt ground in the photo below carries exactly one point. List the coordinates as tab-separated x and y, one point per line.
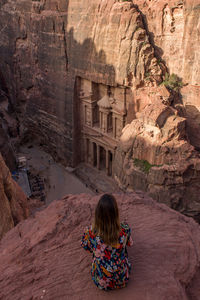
58	181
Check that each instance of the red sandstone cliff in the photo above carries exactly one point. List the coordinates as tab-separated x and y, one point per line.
47	44
174	29
8	126
13	202
41	258
48	47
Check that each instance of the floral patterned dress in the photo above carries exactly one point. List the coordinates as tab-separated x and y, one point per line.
110	266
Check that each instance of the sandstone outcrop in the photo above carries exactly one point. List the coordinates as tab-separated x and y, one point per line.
154	155
8	127
173	28
41	258
13	202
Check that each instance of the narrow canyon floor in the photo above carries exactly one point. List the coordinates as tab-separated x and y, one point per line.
60	181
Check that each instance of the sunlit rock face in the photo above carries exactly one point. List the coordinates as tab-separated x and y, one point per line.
174	29
154	155
13	202
42	257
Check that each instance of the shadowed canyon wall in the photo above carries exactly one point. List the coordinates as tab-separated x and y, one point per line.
13	202
8	126
51	52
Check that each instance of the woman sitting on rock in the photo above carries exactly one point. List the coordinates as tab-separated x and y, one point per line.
107	240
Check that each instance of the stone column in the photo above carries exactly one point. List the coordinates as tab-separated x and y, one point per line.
98	157
89	152
86	150
103	122
114	126
92	116
92	153
112	163
100	119
107	162
106	122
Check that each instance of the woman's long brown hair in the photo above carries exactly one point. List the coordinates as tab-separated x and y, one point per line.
106	223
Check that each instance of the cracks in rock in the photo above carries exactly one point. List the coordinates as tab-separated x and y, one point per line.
157	51
163	14
129	58
20	234
131	41
54	26
65	45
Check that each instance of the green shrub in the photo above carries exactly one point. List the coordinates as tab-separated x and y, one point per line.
173	82
144	165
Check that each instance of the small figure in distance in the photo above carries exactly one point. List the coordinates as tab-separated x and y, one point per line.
107	240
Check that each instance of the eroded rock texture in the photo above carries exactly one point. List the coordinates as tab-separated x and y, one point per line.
154	155
13	202
53	53
174	28
8	126
42	257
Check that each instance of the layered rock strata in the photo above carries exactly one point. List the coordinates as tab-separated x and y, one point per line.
13	202
41	258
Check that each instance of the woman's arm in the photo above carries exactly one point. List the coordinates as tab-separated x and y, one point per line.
86	240
129	238
127	231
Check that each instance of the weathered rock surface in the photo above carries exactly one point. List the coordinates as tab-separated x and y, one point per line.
13	202
41	258
154	155
47	46
174	30
8	127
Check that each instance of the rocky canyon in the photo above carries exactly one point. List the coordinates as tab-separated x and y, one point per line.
110	89
113	84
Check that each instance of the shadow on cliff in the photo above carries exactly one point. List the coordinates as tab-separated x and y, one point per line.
158	51
193	125
86	62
